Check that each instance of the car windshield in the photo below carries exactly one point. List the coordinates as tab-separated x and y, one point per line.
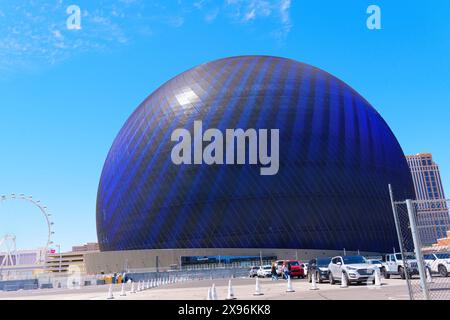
408	256
267	267
323	262
375	262
293	263
255	268
354	259
443	255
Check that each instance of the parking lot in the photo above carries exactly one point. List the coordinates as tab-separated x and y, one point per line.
244	288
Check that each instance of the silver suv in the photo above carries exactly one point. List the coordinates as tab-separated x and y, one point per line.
354	268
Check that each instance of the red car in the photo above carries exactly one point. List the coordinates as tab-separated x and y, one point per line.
297	269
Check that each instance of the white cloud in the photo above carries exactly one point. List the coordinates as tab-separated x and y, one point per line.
35	32
212	15
277	11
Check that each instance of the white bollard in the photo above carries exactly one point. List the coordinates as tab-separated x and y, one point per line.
209	296
148	284
429	277
289	285
377	278
258	288
214	292
230	295
344	283
133	290
122	292
110	293
313	281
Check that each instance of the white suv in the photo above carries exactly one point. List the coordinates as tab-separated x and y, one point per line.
438	263
353	268
264	271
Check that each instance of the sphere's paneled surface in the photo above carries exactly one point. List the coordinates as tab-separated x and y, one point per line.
337	157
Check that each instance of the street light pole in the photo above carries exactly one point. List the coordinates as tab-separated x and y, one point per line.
60	257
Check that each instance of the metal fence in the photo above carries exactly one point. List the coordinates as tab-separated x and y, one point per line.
78	280
423	229
191	275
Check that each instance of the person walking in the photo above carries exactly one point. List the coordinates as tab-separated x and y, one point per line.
285	271
274	272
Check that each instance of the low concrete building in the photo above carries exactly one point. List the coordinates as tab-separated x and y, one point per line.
166	259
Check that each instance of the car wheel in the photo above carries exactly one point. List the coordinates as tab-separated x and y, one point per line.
385	274
443	271
332	281
402	272
319	278
346	278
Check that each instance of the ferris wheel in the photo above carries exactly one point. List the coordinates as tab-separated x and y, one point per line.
43	211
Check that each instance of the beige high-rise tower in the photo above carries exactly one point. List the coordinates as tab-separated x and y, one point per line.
433	214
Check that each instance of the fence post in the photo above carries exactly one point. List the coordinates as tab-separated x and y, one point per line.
399	236
417	248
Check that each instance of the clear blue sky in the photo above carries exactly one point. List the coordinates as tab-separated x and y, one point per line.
64	94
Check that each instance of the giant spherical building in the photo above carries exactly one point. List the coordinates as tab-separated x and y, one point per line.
336	158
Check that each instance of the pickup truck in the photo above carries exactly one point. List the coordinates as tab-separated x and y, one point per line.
393	265
438	263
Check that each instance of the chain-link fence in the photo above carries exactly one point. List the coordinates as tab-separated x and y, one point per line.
423	228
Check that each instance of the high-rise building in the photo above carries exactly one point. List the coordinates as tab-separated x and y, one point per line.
433	214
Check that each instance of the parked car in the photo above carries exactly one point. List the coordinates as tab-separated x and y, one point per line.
393	265
265	271
253	272
376	262
296	268
354	268
320	267
438	263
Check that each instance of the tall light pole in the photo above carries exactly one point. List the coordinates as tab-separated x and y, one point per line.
60	257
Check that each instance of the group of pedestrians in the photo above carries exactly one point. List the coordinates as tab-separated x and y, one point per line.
286	271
